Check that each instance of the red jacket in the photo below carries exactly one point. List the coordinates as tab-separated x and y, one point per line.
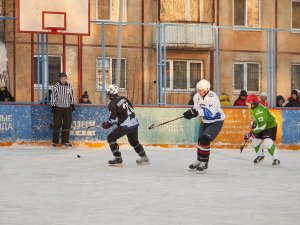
239	102
264	103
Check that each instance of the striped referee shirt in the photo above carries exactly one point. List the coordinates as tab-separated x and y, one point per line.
62	95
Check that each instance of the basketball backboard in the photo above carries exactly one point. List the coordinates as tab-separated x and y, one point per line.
54	16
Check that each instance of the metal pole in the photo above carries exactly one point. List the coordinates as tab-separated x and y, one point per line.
119	48
160	64
47	67
157	63
43	66
268	64
275	67
217	63
165	63
271	68
38	65
103	63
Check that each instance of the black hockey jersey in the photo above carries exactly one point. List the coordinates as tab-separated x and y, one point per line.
122	113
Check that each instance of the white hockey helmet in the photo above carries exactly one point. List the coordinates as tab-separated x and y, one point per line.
112	90
203	85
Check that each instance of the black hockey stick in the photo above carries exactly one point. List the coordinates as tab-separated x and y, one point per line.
153	125
243	146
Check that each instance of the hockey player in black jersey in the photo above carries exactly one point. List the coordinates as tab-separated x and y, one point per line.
122	114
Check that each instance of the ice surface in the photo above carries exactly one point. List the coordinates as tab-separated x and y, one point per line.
51	187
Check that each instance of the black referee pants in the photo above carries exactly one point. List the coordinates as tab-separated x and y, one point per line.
62	118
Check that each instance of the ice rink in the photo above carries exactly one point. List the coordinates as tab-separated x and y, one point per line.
53	187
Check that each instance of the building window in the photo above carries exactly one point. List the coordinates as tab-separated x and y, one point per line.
183	75
247	76
295	14
109	10
110	72
246	13
295	77
186	10
55	67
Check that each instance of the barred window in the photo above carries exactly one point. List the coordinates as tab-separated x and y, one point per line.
109	10
110	72
246	13
55	67
295	77
183	75
296	14
246	76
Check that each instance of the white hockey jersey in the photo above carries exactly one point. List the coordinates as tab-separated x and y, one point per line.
209	107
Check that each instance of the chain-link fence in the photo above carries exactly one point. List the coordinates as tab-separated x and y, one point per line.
160	62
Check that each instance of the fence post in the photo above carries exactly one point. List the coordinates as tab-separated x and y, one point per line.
103	63
157	63
217	62
275	67
165	63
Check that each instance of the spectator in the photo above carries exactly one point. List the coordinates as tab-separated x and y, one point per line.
293	101
62	102
85	99
263	99
224	100
241	101
191	101
47	99
5	96
279	101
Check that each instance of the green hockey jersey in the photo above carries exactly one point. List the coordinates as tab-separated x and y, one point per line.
262	118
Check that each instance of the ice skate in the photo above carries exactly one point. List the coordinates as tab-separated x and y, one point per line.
67	145
143	160
194	165
53	145
116	162
258	159
202	167
276	162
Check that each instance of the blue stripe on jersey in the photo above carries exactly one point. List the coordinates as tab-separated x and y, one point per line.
208	115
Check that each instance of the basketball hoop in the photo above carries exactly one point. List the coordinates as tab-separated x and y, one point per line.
47	16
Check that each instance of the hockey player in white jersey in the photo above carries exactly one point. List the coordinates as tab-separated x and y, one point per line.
206	105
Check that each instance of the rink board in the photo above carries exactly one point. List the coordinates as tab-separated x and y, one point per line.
30	123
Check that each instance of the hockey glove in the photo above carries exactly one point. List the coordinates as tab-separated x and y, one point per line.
106	125
250	136
191	113
53	109
73	107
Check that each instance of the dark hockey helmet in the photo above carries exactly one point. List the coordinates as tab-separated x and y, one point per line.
112	90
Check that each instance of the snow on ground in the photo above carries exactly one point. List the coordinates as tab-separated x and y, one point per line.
51	187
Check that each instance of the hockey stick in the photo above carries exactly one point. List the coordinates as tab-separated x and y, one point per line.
153	125
243	146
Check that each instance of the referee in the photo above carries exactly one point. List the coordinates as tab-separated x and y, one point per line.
62	102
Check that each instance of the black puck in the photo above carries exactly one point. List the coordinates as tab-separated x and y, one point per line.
78	156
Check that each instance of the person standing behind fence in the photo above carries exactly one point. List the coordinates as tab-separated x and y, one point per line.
241	101
5	96
62	102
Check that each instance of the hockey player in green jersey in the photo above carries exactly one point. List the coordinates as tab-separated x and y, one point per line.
264	129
